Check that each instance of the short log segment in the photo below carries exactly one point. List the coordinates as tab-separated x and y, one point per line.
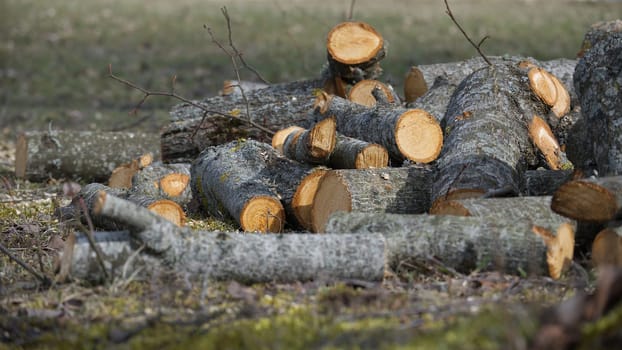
394	190
464	243
597	81
414	85
607	247
351	153
79	155
276	107
487	145
303	197
361	93
248	181
406	133
313	146
592	200
164	181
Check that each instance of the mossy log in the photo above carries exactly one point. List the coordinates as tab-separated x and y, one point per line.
465	243
406	133
394	190
164	181
248	181
278	106
591	199
487	145
87	156
598	83
544	182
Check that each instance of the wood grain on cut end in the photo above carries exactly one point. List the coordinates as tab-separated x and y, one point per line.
449	207
560	248
174	184
21	156
121	176
169	210
419	136
461	193
322	138
414	84
322	102
304	195
562	103
353	42
361	92
372	156
262	214
607	248
280	136
585	201
542	136
332	196
542	85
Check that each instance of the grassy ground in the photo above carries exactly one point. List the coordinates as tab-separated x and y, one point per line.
54	58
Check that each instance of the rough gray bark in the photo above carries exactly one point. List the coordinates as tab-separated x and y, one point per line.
79	155
394	190
89	194
275	107
164	181
460	243
487	147
436	99
597	32
592	199
226	179
598	81
543	182
313	146
351	153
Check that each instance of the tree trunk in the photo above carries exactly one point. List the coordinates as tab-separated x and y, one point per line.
406	133
79	155
487	145
597	80
592	200
276	107
394	190
249	181
464	243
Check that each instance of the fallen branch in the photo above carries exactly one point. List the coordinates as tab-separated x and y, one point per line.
42	278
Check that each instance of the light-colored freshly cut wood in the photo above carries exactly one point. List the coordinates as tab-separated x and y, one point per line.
233	88
280	136
314	145
560	248
592	199
165	181
335	86
353	43
167	209
351	153
414	85
262	214
542	136
395	190
562	103
607	248
304	195
361	92
542	85
121	176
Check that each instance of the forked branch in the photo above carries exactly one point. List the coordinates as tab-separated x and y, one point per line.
476	46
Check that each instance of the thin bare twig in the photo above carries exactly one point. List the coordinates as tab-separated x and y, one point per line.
351	11
42	278
476	46
148	93
90	236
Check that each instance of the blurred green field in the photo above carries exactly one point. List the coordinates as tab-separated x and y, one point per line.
54	54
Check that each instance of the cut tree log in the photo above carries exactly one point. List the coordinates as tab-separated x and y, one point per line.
607	247
547	87
276	107
351	153
394	190
234	88
406	133
592	199
543	138
354	51
487	147
464	243
361	93
164	181
597	82
544	182
597	32
121	176
414	85
280	136
436	99
313	146
166	208
79	155
248	181
303	197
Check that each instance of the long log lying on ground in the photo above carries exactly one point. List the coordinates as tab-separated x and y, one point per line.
465	243
592	199
597	82
394	190
276	107
487	146
406	133
462	243
80	155
248	181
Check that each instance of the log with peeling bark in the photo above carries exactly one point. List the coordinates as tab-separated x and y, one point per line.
354	51
544	182
406	133
607	247
487	147
394	190
164	181
278	106
79	155
313	146
597	83
248	181
465	243
361	93
591	199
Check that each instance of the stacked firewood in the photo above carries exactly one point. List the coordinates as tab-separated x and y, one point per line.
473	167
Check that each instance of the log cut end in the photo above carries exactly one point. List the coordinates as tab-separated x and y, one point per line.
414	85
372	156
21	156
585	201
304	195
280	136
562	104
173	185
322	102
353	42
361	92
169	210
542	136
419	136
449	207
550	90
607	248
121	176
332	196
560	248
322	138
262	214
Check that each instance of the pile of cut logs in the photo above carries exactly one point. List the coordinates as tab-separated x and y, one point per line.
507	166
